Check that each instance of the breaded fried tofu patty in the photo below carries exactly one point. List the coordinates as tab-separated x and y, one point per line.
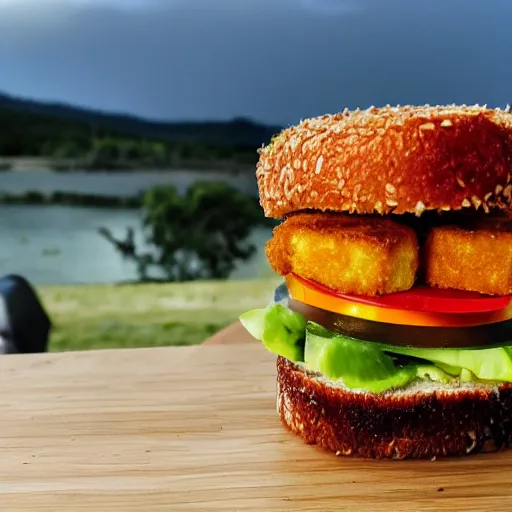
363	256
476	257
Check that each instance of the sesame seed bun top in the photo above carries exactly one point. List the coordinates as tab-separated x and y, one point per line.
390	160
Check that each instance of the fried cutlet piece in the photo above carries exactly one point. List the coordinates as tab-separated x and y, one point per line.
475	257
351	254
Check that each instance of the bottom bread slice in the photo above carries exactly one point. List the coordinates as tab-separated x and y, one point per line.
421	421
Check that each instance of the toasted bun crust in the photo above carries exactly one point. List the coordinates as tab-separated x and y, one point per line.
390	160
416	423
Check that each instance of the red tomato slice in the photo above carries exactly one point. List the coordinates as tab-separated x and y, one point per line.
424	298
313	296
301	290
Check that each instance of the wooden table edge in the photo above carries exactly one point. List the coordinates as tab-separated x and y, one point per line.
233	334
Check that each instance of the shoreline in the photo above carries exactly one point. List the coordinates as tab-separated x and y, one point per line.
32	198
75	199
41	164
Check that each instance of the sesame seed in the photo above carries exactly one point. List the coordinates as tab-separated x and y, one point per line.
294	142
419	208
357	189
288	192
476	202
390	188
446	123
460	182
319	163
498	190
487	196
507	191
427	126
466	203
391	203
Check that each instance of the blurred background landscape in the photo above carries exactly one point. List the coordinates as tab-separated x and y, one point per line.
129	132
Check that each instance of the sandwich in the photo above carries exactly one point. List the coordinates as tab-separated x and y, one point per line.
392	328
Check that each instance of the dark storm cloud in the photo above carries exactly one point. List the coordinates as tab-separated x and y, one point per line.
274	60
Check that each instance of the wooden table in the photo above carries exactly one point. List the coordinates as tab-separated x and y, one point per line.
233	334
195	428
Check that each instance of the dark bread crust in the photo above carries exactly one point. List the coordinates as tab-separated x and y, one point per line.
397	426
390	160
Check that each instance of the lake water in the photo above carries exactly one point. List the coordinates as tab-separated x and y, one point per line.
60	244
117	184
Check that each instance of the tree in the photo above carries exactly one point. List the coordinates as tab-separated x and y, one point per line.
198	235
67	149
105	153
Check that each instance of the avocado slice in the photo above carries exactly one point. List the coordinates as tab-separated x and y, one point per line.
358	364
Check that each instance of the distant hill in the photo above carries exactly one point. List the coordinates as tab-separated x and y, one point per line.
238	132
73	137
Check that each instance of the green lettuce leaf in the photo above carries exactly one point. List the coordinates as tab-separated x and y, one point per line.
486	363
367	365
434	374
281	330
358	365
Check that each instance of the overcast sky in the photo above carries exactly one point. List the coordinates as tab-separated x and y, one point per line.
273	60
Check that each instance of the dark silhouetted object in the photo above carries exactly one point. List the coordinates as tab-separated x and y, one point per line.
125	247
24	325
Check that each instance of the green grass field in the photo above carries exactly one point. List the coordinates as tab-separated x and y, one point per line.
144	315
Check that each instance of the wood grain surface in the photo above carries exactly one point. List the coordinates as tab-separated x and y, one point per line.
233	334
196	429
